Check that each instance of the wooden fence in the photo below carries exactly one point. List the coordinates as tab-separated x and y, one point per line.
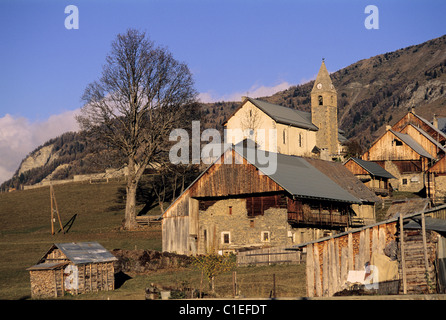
269	256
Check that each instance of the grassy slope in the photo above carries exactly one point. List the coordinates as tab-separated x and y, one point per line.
25	236
25	228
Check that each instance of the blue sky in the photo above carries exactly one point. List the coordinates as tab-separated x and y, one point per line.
232	48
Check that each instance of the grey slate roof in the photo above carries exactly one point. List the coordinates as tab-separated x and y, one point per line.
373	168
285	115
85	252
412	144
299	178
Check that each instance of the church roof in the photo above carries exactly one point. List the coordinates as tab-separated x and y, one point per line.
323	78
285	115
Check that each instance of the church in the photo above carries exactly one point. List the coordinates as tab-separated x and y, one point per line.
237	205
312	134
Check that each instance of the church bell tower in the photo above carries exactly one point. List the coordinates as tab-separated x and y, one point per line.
324	111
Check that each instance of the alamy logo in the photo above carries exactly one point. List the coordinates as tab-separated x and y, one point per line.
72	20
254	152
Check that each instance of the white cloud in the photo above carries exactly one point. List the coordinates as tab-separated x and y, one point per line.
19	136
254	92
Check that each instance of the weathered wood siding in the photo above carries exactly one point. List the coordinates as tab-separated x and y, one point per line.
386	148
355	168
423	141
232	177
439	167
329	261
417	122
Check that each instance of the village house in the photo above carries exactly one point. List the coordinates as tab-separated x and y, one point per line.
300	133
408	150
372	175
235	206
73	268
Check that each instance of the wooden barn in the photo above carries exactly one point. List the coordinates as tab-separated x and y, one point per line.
372	175
408	150
73	268
403	157
234	206
402	255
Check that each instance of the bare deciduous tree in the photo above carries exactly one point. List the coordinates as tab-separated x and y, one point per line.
142	95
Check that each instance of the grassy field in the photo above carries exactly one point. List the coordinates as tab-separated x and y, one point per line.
25	236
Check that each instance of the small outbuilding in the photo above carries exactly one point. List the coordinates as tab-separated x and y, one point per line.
73	268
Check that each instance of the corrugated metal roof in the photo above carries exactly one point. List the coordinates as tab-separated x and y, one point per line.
85	252
412	144
301	179
373	168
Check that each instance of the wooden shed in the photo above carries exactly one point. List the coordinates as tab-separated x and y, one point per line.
73	268
405	255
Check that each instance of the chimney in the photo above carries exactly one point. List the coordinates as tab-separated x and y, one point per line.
244	98
388	127
413	109
435	121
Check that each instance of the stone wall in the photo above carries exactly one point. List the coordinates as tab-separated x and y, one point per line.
225	226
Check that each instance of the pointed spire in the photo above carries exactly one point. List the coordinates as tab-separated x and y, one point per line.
323	81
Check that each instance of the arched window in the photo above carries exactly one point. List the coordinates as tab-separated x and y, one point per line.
321	100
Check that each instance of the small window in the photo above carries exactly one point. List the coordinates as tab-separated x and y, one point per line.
404	181
251	223
300	140
230	210
226	237
321	100
284	136
397	142
265	236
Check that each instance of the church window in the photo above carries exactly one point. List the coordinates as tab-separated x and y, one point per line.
321	100
300	140
284	136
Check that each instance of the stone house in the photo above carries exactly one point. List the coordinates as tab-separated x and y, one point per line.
73	268
235	205
289	131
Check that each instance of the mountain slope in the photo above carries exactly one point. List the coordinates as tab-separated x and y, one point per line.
371	93
380	90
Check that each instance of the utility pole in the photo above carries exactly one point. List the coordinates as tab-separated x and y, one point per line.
54	209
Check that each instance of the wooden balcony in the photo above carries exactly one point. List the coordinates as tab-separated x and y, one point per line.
331	220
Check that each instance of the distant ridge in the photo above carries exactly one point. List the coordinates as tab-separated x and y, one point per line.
372	93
